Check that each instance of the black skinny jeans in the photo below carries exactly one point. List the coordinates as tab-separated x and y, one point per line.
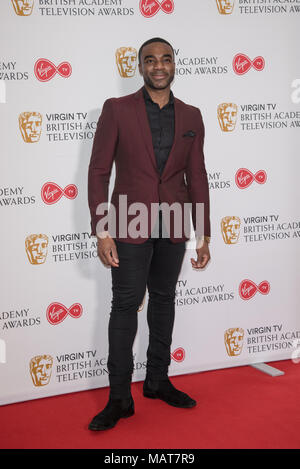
154	264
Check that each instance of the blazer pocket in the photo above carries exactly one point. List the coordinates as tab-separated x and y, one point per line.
183	195
131	197
189	133
124	189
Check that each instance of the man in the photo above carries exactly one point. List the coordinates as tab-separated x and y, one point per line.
156	141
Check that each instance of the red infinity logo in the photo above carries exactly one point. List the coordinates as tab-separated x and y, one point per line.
149	8
51	192
244	177
248	289
56	312
44	70
242	64
178	355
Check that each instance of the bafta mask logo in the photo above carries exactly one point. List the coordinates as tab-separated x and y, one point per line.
36	246
233	339
126	59
227	116
23	7
225	7
30	124
41	369
230	228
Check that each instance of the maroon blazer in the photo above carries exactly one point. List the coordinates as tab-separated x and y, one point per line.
123	136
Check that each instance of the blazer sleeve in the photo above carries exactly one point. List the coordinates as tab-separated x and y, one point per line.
197	183
102	157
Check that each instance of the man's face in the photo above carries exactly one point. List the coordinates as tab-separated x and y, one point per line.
157	65
23	7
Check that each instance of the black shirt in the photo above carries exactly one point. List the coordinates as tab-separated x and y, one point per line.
162	125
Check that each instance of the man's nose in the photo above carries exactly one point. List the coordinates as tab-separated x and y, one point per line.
159	65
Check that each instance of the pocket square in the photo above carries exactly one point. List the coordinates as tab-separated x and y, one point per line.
190	133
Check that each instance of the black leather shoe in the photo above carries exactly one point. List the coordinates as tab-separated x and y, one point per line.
114	411
165	391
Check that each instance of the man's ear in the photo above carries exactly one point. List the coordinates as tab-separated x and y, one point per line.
140	69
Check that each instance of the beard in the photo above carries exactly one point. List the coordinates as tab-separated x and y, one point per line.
157	86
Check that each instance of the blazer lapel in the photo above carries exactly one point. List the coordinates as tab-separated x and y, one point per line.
144	125
176	136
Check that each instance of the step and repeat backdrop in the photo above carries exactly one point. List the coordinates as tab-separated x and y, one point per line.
238	61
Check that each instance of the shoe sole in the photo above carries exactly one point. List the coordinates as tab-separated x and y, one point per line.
96	428
153	395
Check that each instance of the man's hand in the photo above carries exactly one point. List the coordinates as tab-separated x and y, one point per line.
107	251
203	257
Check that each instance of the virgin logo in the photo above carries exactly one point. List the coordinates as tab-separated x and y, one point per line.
244	177
44	69
56	312
248	289
149	8
52	193
242	64
178	355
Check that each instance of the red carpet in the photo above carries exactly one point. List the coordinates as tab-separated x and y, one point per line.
237	408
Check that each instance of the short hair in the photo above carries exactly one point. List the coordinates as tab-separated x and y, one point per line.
154	39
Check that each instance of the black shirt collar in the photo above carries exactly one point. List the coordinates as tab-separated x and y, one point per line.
147	97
